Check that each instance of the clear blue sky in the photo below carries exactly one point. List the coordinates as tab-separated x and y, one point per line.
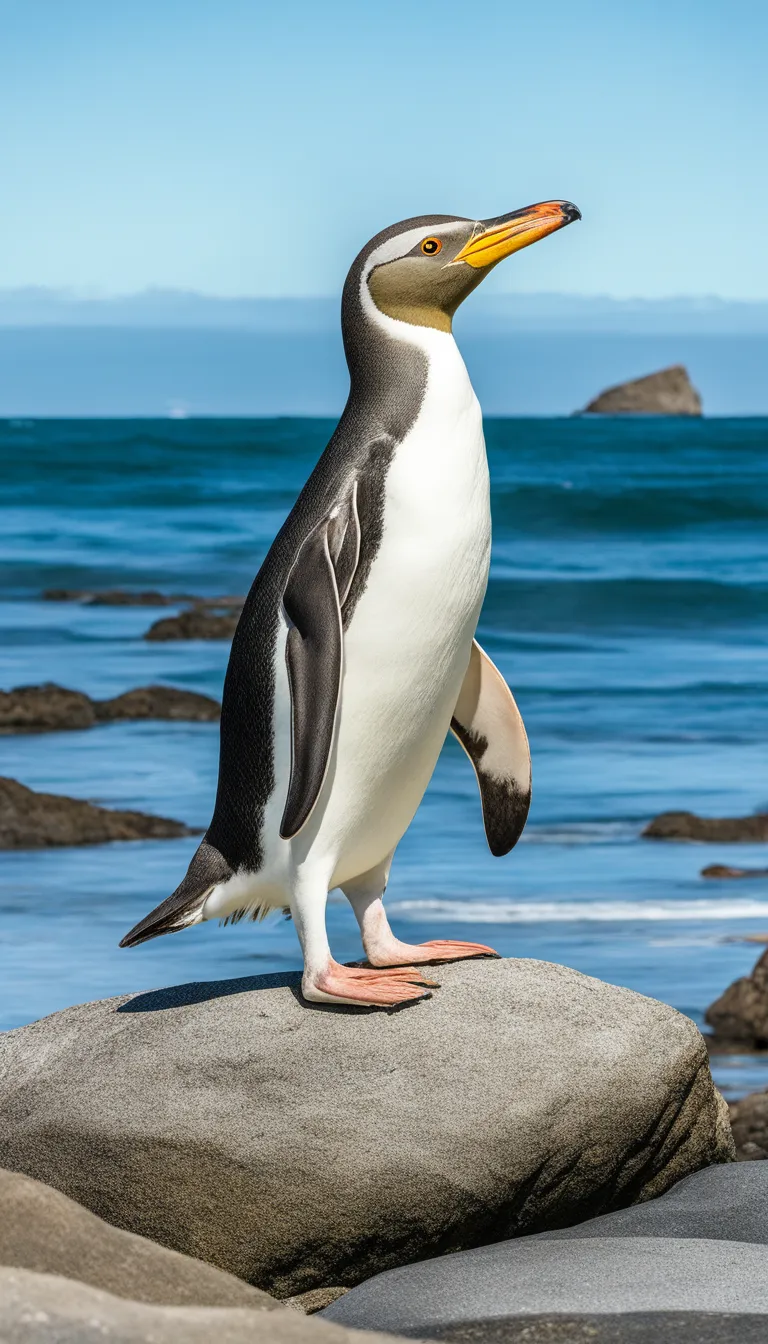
244	147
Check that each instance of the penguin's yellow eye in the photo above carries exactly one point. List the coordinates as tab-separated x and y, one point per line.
431	246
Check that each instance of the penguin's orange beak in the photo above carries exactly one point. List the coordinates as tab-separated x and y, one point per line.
495	239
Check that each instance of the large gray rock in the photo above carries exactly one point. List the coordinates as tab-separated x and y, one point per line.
668	392
45	1309
301	1146
31	820
44	1231
460	1296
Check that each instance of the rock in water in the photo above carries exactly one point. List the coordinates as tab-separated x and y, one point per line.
44	708
195	624
159	702
741	1013
46	1309
723	830
52	708
668	392
42	1230
30	820
300	1147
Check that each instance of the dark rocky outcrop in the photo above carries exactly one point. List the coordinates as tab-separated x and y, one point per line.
749	1122
741	1013
44	1231
723	830
668	392
159	702
47	1309
30	820
54	708
301	1147
48	707
723	871
199	623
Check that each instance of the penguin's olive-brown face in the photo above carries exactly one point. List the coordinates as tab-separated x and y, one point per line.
425	283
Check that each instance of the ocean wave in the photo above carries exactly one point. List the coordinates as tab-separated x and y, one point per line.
571	912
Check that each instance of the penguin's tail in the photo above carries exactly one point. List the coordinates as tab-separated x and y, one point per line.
207	869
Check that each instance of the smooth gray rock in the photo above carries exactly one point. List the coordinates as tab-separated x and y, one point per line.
301	1147
45	1309
536	1276
44	1231
723	1203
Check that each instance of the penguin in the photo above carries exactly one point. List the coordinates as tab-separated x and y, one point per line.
355	653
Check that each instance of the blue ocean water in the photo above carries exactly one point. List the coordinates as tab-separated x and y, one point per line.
628	609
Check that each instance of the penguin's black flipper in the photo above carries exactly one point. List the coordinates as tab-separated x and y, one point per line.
488	725
207	869
316	589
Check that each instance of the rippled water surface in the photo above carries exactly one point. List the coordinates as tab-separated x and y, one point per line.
628	609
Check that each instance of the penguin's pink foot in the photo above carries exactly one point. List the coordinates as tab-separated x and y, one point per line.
365	987
394	953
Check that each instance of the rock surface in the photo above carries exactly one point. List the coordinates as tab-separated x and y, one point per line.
741	1013
30	820
668	392
42	1230
199	623
300	1147
53	708
46	1309
725	830
538	1276
749	1122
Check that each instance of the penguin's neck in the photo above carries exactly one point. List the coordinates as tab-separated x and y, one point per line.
397	368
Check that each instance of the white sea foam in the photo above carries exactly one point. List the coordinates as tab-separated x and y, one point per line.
544	912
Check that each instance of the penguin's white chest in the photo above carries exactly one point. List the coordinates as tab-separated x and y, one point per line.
407	647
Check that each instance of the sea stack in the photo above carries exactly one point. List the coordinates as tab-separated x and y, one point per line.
668	392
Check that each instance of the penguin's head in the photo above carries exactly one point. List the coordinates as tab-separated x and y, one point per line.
419	271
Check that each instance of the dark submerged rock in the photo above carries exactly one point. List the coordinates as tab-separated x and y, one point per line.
115	597
44	1231
725	830
30	820
668	392
301	1146
723	872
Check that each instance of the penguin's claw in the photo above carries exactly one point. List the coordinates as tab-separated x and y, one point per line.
364	987
439	950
